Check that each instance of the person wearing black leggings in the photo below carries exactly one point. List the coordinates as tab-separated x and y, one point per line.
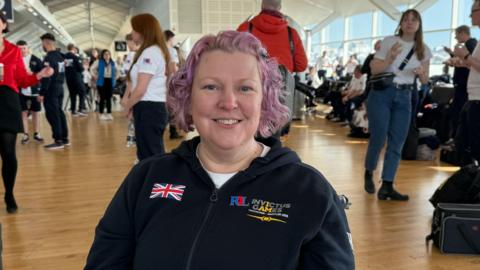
13	76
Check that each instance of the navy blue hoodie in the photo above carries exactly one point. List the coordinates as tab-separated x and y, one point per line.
277	214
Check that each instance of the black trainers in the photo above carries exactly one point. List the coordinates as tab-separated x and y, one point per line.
38	138
388	193
25	138
66	142
369	185
11	203
54	146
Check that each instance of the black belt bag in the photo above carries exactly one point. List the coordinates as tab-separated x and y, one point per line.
382	81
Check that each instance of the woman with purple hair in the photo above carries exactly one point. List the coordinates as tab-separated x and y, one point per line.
225	199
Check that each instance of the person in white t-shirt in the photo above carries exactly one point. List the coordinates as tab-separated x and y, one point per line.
389	110
169	39
146	81
322	64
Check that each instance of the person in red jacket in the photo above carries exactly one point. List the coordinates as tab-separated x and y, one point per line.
13	76
271	28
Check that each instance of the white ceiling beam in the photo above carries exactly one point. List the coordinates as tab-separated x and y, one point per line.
387	8
43	12
424	5
54	8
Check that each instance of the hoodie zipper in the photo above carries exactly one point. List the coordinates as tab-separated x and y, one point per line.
213	200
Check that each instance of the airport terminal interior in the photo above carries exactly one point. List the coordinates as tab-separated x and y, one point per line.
63	190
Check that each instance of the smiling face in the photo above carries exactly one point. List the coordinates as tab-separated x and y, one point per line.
226	99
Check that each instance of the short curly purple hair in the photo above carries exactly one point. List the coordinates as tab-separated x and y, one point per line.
274	114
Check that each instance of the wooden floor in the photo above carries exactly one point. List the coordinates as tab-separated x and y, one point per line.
62	194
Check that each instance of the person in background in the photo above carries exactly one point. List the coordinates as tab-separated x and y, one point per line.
73	75
28	95
105	73
390	110
51	93
468	134
169	38
460	77
322	64
13	76
225	198
351	64
147	83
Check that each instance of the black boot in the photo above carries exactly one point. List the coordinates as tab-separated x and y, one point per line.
11	203
369	185
387	192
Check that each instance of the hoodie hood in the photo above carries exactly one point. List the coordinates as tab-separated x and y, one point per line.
278	156
269	24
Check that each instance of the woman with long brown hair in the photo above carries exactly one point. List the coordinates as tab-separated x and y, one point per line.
147	85
389	108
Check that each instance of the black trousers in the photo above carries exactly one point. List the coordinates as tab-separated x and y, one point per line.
105	91
150	119
459	100
467	139
76	89
53	111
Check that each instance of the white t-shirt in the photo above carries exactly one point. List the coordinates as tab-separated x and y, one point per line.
350	66
358	84
219	179
473	86
27	91
151	61
128	62
173	55
322	63
406	76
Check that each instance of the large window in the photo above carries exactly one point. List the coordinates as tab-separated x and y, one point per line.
360	26
438	16
435	41
386	26
335	30
359	47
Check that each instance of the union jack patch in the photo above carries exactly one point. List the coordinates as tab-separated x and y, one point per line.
167	191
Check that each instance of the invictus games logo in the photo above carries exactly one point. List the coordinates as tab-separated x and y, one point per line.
262	210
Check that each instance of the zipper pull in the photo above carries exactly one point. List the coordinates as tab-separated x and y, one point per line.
214	197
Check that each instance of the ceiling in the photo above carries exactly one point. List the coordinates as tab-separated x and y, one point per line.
91	23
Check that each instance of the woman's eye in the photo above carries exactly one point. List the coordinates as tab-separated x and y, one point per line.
246	88
209	87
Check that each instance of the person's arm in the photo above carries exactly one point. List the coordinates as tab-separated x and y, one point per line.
423	72
301	60
467	59
114	243
94	70
385	56
136	95
78	64
331	247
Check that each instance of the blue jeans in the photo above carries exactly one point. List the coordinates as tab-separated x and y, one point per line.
389	114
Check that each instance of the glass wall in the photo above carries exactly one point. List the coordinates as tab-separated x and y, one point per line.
360	26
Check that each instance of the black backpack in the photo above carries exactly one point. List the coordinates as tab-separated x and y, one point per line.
462	187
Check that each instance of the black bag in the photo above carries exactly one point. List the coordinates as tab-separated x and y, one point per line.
409	150
450	156
381	81
462	187
455	228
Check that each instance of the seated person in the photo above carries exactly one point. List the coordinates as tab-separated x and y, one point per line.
352	96
225	200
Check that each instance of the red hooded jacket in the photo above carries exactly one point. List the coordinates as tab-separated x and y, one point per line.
272	31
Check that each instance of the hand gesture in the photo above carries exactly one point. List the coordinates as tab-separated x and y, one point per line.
419	71
45	72
394	51
460	51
